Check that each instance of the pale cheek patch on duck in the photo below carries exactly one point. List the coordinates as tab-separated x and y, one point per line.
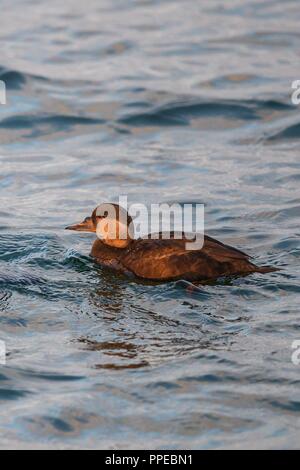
113	233
112	229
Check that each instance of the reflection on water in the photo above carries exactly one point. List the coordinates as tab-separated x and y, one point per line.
123	98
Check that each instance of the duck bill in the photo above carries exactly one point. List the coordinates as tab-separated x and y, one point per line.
85	226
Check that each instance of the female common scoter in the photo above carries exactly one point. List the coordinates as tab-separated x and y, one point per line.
163	259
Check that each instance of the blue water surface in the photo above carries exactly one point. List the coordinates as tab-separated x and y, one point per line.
164	101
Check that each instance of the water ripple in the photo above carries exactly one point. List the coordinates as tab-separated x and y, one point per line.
165	102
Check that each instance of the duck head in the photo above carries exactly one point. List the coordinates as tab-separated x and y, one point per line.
112	224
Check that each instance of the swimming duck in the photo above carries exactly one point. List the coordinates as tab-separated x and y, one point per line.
162	259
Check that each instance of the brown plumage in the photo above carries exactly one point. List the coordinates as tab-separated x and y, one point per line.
168	259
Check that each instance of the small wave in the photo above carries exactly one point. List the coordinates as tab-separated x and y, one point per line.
13	80
288	244
16	80
281	214
116	48
42	375
76	260
18	277
290	132
181	112
263	38
12	394
57	121
4	296
236	79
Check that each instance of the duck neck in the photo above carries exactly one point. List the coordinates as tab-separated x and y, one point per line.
116	243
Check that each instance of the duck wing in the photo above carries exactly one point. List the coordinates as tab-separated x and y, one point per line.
160	259
219	249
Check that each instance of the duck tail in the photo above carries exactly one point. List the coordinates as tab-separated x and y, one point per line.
266	269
